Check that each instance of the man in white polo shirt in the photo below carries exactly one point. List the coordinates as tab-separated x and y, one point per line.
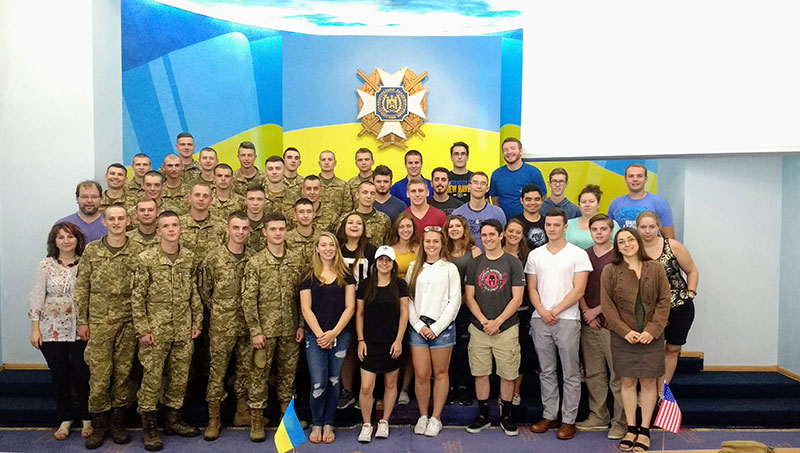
556	276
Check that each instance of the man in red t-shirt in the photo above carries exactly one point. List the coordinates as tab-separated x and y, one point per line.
424	215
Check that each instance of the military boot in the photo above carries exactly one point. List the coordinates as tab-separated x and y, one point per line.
212	431
150	437
99	430
118	431
242	416
174	425
257	433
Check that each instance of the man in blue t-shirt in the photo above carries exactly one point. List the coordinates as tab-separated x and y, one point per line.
477	210
88	218
508	180
413	163
624	209
385	201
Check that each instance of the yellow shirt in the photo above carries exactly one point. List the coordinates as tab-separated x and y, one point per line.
403	260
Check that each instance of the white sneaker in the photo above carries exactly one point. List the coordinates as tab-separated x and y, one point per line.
434	426
422	425
383	430
403	399
516	400
366	433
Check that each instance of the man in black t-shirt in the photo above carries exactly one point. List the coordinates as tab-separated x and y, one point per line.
531	199
440	180
495	284
459	175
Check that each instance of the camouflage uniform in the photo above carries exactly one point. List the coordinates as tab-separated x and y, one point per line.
103	300
271	308
377	225
224	208
175	199
166	304
240	183
134	190
257	241
200	237
325	218
336	196
220	287
106	201
294	187
145	242
352	186
132	213
191	173
279	202
304	244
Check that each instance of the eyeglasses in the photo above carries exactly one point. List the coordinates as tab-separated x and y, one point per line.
432	228
558	181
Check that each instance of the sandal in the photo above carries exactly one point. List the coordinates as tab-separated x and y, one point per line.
63	431
315	436
86	431
329	436
627	442
640	446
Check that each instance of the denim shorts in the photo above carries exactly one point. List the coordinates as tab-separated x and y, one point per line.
446	339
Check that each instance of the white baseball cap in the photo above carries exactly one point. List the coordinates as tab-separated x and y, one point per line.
385	250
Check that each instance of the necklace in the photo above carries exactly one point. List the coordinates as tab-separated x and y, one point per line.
72	264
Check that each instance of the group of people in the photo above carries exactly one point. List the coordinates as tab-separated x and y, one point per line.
324	279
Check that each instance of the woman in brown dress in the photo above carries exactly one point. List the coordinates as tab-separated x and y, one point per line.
635	297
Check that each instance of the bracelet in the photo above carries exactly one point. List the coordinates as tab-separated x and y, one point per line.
360	341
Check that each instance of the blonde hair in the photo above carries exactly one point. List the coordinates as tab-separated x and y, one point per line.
645	214
338	266
422	257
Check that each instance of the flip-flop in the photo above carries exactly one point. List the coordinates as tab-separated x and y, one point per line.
315	430
329	436
63	431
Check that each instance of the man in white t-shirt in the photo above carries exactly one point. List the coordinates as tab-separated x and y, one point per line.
557	275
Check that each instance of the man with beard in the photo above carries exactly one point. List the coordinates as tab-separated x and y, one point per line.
384	200
88	217
440	180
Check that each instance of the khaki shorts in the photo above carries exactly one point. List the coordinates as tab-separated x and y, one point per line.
504	347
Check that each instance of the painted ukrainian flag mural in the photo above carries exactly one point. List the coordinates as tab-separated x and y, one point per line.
217	70
289	434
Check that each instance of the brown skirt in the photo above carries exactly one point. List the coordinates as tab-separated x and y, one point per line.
637	360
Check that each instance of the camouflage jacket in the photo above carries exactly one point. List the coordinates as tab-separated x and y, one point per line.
199	237
336	196
175	199
240	183
352	186
106	201
325	219
377	225
146	242
223	209
305	244
191	173
220	285
270	298
279	202
257	241
165	299
294	187
105	283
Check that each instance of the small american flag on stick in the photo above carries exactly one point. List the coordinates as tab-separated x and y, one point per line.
669	415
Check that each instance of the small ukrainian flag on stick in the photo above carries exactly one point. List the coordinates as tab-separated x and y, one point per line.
289	434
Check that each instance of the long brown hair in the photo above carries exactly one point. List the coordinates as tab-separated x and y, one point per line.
394	238
341	235
71	228
617	257
338	266
371	283
466	242
422	258
522	248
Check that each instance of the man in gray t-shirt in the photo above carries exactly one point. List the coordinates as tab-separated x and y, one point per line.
495	285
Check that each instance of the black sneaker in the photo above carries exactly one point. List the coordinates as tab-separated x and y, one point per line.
464	398
508	425
479	424
346	399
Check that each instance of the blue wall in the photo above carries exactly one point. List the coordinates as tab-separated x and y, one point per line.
789	308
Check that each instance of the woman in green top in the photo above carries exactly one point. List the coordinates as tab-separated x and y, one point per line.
578	228
635	297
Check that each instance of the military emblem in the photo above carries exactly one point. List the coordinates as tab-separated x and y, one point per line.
392	107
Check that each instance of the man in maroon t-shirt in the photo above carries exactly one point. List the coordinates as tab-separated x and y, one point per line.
424	215
596	339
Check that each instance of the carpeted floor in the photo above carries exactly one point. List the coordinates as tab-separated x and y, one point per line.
451	440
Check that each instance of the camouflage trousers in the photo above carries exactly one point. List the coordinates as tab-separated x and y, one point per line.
286	351
220	349
176	356
109	355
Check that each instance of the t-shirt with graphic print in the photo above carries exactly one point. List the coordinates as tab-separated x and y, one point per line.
534	232
493	280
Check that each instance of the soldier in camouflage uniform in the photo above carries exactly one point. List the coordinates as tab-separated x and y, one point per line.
103	300
184	145
248	173
174	191
324	217
221	276
275	190
364	162
335	192
207	158
224	200
254	204
303	235
376	223
167	316
116	177
270	303
201	229
293	181
145	232
134	188
153	184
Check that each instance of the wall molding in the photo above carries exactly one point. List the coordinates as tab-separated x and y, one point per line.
23	366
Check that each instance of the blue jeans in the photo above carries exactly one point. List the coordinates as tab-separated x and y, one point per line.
325	368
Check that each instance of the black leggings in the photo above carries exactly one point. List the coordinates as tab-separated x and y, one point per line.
70	376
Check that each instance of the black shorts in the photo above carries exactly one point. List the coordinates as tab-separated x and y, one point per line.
679	323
